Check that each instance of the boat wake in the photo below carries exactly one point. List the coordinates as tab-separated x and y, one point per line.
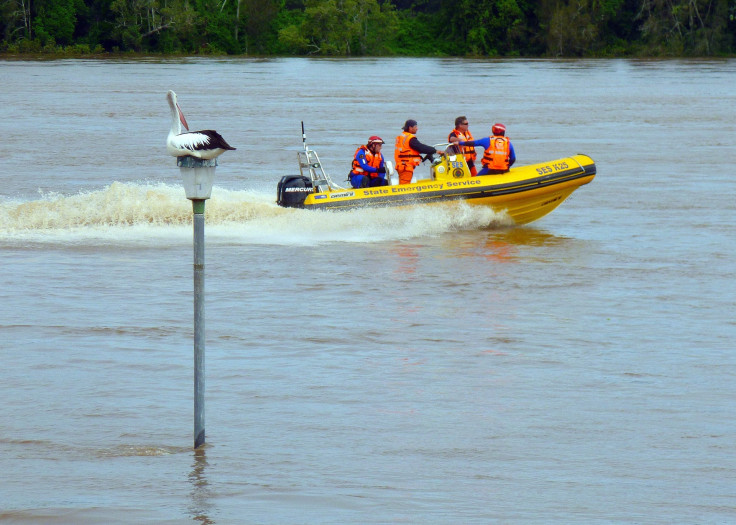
156	212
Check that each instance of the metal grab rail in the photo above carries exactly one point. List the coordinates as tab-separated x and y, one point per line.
310	166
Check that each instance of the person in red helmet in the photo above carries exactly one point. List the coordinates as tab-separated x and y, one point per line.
369	166
499	153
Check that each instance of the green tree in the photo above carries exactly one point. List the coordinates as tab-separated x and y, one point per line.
685	27
55	21
342	27
15	19
569	26
421	34
128	20
181	25
217	32
486	28
259	18
94	23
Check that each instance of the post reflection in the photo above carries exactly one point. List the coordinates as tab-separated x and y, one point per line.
201	507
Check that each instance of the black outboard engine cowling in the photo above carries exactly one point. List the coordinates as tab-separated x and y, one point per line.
293	190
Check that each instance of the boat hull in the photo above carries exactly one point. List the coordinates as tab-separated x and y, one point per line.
525	193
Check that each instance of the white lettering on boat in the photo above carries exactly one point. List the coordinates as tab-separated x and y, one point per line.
470	182
300	190
416	189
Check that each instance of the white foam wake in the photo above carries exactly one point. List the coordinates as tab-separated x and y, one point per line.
144	212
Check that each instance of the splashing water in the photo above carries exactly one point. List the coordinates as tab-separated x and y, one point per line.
136	212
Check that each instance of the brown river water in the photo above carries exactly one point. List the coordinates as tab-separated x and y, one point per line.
414	365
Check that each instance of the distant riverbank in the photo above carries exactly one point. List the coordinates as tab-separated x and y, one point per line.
77	52
369	28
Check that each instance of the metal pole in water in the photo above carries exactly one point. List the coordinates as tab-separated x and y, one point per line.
198	176
198	208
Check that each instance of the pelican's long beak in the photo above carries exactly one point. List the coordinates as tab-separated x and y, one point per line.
181	118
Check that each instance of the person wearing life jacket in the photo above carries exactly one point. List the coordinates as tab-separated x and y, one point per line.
408	151
499	153
369	167
461	132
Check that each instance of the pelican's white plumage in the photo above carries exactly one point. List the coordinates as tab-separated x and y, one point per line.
204	144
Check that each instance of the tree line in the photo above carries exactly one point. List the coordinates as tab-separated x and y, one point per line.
474	28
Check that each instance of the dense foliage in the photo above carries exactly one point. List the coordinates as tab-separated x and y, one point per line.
371	27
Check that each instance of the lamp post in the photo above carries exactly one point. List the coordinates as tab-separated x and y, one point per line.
197	176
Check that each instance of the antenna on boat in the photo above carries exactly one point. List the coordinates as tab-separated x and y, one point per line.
304	137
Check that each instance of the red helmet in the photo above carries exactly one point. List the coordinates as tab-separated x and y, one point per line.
498	129
375	139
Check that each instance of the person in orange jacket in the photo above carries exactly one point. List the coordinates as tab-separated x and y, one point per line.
499	153
461	132
369	167
408	151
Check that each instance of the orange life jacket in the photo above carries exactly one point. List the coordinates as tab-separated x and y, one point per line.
496	157
372	160
406	157
468	151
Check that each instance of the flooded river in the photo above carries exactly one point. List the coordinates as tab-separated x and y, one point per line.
409	365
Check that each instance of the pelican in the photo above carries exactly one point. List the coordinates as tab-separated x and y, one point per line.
205	144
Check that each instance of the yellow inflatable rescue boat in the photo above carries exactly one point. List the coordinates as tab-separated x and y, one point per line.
524	193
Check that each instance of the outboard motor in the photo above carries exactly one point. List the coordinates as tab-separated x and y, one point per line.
292	191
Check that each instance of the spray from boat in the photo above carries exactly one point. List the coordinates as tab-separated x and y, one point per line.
158	213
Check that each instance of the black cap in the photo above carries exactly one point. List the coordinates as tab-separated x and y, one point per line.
409	123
